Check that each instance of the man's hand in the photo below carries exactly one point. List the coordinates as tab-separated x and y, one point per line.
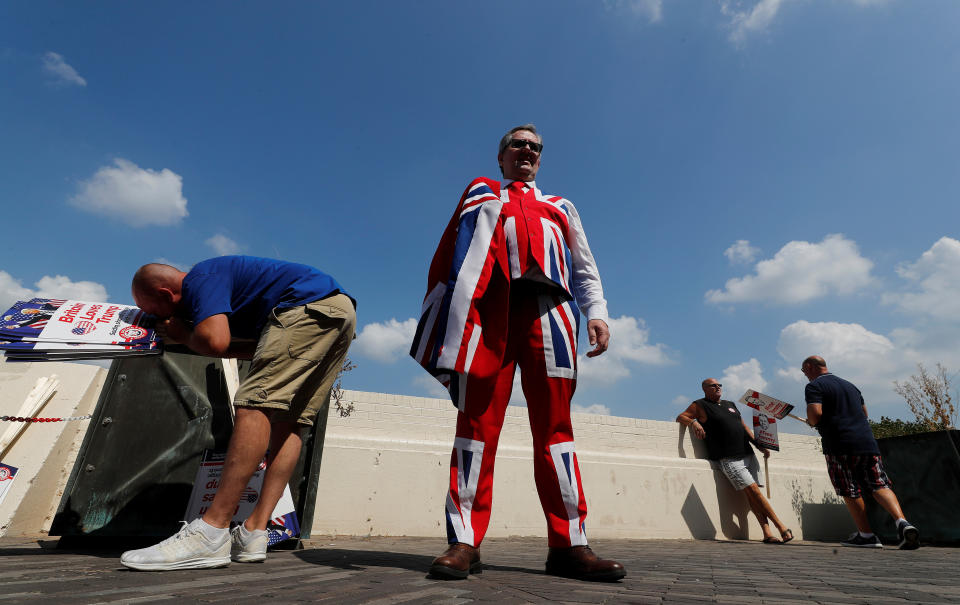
764	451
697	429
599	336
173	330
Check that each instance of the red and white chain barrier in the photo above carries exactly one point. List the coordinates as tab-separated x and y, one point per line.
24	419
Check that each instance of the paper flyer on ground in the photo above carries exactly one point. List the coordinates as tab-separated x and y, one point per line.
765	431
283	523
7	473
766	404
75	321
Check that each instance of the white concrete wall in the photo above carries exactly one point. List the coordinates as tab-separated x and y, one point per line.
44	453
386	466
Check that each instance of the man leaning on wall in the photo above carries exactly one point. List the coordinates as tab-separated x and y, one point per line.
728	438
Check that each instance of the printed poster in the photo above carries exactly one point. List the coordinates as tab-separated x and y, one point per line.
765	431
76	321
19	350
7	473
283	523
766	404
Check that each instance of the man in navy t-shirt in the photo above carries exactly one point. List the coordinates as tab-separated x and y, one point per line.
836	409
298	324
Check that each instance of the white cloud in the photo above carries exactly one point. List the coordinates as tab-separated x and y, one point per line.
741	252
58	286
738	378
136	196
748	20
748	17
386	342
935	279
869	360
843	345
683	400
652	10
223	245
800	272
629	345
63	74
595	408
11	290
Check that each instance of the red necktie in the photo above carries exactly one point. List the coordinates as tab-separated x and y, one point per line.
518	187
523	239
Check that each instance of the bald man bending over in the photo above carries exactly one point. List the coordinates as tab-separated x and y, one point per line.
299	323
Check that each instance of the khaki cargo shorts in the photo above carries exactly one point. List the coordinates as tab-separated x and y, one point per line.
298	357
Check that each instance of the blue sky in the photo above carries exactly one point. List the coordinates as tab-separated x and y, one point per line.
759	181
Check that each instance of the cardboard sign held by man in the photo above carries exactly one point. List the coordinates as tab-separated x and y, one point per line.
768	405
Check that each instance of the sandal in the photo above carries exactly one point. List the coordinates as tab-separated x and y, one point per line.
772	540
787	536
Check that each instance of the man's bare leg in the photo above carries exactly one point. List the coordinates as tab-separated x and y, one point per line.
764	512
888	500
285	444
858	511
768	510
248	444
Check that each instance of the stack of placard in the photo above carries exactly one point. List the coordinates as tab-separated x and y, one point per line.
45	329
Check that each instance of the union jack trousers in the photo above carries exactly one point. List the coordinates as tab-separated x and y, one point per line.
502	293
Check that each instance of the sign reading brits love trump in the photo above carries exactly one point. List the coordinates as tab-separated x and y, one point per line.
75	321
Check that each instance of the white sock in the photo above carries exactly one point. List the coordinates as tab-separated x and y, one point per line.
212	533
867	536
247	533
901	521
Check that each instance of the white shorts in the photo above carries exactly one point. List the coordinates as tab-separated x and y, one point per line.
742	471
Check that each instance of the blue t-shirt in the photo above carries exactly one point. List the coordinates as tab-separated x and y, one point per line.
248	288
843	426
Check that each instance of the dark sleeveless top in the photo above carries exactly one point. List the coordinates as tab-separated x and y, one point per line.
725	437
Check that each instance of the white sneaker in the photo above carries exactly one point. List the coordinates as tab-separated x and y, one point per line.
248	546
189	548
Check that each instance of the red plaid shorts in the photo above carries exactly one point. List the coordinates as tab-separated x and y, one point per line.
851	474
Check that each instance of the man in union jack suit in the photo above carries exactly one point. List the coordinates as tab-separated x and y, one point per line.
507	285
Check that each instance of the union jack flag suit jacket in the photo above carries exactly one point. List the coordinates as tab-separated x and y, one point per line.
478	250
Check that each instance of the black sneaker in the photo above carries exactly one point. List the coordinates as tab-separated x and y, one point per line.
856	539
909	536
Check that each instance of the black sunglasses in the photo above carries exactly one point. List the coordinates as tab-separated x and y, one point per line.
521	143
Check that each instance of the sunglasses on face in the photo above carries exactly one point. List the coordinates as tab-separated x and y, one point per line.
521	143
715	386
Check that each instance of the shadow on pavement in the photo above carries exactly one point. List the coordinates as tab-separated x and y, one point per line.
357	559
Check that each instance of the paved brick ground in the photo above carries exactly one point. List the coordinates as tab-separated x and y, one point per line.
393	570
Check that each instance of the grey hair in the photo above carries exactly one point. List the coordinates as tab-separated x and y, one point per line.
509	136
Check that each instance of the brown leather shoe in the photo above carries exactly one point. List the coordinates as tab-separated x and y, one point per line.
580	563
457	562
